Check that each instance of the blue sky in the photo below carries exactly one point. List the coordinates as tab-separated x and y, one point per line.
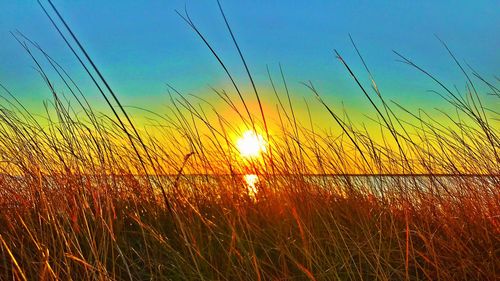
141	45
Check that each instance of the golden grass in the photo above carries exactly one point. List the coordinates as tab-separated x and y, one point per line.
87	196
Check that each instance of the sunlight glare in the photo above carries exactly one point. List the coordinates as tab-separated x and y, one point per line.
251	144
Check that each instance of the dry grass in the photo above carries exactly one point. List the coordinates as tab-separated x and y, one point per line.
86	196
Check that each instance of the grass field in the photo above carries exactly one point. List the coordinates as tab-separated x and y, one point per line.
91	196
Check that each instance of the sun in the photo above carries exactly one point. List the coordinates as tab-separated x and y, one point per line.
251	144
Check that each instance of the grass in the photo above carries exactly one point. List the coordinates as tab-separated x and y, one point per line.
87	196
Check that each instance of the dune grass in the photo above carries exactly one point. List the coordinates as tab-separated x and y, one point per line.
90	196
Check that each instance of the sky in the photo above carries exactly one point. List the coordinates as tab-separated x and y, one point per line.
140	46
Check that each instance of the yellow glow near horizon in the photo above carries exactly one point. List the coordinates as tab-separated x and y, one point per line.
251	144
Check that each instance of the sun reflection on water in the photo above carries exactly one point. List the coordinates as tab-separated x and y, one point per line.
251	181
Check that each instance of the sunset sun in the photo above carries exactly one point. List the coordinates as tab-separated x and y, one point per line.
251	144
